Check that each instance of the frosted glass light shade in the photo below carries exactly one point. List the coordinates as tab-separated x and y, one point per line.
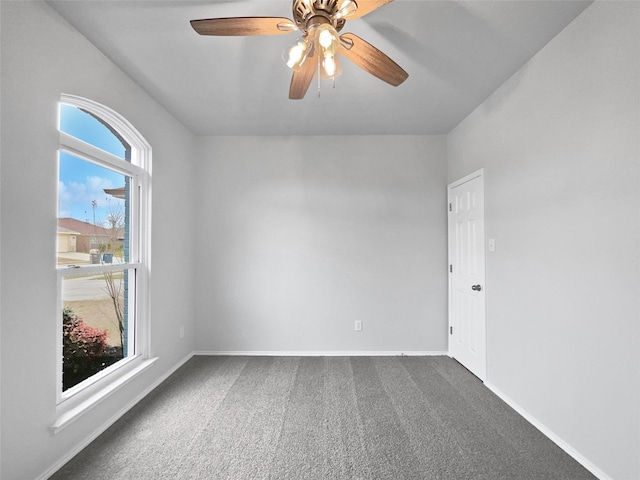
327	40
296	54
346	8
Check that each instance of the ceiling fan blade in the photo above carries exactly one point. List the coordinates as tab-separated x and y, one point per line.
367	6
302	78
238	26
369	58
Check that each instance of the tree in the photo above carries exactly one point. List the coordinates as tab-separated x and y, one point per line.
115	227
114	280
114	287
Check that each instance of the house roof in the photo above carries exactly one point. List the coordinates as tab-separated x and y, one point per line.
85	228
67	231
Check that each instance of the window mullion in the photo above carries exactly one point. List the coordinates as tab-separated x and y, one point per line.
84	150
89	269
134	219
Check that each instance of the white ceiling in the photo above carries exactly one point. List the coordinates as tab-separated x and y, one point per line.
456	53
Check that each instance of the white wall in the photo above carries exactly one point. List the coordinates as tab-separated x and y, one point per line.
560	142
42	57
301	236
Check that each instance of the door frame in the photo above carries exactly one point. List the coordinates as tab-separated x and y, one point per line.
472	176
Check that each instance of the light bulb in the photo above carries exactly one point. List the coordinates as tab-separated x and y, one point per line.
329	65
296	54
325	38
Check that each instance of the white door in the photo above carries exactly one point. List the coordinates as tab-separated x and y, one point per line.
467	316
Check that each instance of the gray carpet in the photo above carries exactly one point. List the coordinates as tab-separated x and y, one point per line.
295	418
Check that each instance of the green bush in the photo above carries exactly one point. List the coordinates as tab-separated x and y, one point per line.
84	350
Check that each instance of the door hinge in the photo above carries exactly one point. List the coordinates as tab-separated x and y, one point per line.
450	268
450	208
450	330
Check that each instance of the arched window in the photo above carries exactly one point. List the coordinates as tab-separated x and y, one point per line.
102	247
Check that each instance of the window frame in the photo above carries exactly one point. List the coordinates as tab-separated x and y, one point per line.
76	400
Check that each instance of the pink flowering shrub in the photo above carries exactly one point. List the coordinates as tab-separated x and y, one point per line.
84	349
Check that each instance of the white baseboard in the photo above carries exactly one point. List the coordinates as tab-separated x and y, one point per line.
550	434
60	463
271	353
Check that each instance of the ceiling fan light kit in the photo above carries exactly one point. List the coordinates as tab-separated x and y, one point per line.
320	22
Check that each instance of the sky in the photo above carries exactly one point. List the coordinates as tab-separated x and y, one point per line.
81	182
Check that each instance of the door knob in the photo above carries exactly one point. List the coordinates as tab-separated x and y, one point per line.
476	288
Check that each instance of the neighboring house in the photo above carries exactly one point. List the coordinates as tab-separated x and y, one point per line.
90	237
67	239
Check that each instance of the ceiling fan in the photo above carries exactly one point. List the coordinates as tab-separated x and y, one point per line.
319	46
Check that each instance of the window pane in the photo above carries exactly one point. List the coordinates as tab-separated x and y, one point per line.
95	323
93	219
89	129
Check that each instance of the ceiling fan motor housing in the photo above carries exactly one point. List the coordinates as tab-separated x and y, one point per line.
304	12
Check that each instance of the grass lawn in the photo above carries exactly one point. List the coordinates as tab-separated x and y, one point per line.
70	261
98	314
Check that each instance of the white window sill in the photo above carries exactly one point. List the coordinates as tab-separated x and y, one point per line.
65	418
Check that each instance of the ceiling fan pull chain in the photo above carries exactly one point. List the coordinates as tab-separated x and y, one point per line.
319	66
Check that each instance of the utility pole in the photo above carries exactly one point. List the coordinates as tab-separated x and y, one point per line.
94	204
94	241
